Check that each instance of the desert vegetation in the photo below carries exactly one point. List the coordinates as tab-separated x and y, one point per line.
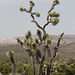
40	58
22	68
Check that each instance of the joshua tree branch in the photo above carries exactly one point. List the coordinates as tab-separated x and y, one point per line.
46	24
32	17
56	48
30	8
37	24
53	5
59	39
48	16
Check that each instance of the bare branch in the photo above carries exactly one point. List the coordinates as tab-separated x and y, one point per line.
56	48
59	39
30	8
26	10
37	24
32	16
51	8
46	24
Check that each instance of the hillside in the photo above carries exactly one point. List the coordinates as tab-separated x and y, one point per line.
66	50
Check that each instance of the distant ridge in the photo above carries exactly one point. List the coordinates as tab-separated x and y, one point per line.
67	38
66	50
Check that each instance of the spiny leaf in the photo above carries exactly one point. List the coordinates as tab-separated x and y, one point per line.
27	49
36	41
48	40
37	14
55	2
45	64
39	32
10	53
54	14
18	40
28	43
34	45
21	9
25	66
55	21
32	3
29	33
27	36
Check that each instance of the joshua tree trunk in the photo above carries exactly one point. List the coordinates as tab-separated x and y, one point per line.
33	66
49	60
49	69
13	69
13	65
39	69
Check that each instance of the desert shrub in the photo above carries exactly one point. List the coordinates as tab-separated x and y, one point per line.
20	69
70	61
5	69
57	73
72	68
64	69
29	69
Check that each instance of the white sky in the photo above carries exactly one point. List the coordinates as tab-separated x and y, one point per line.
14	23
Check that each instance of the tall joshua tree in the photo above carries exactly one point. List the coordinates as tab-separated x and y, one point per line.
32	45
10	55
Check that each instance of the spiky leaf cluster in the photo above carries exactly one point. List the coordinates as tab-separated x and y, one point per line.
34	46
28	35
45	64
39	32
55	21
25	66
32	3
30	43
10	53
48	39
55	2
18	40
36	41
54	14
27	49
37	14
22	9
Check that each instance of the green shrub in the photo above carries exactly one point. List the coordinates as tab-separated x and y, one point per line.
5	69
20	69
72	68
56	73
70	61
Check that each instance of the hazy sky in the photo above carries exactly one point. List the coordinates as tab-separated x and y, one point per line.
14	23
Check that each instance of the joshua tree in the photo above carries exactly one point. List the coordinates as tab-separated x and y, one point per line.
32	45
10	55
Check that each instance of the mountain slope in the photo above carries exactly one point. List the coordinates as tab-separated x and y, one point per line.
66	50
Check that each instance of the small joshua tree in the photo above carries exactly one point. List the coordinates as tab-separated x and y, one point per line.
32	45
10	55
